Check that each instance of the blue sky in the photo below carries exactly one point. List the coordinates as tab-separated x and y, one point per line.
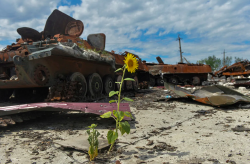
146	28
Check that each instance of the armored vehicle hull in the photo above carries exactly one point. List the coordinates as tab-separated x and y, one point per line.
57	65
181	73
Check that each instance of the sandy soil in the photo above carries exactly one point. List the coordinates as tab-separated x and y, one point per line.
175	131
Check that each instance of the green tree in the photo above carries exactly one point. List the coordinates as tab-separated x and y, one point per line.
228	60
238	59
213	61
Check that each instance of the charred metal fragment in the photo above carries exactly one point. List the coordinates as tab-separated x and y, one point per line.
215	95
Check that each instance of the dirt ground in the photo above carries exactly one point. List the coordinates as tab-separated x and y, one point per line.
178	131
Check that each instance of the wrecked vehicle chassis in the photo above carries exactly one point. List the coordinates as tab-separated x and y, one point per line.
70	73
180	73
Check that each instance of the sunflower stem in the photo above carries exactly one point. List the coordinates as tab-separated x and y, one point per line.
118	106
120	90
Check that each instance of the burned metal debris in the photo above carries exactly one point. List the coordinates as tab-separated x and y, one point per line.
11	114
215	95
236	69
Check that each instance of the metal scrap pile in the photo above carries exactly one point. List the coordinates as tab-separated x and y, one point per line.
237	69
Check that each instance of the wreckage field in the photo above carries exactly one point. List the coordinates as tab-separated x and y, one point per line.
164	130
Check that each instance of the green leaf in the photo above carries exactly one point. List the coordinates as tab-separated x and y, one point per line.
93	126
129	79
112	93
91	149
124	127
115	113
106	115
96	143
118	82
121	129
111	101
119	69
128	114
89	139
112	136
127	99
109	136
97	133
120	115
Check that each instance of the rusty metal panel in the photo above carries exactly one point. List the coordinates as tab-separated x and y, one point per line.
17	113
97	40
181	68
95	108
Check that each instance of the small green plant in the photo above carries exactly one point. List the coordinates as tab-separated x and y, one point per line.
131	64
93	141
81	44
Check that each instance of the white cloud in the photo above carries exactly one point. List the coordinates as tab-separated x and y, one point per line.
16	14
132	25
1	47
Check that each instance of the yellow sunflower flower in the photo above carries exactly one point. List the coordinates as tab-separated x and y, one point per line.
131	63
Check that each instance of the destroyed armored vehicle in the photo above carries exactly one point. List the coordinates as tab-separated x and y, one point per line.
181	73
56	64
237	69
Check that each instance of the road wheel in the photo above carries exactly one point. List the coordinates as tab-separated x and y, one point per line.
81	86
173	80
160	81
186	82
129	85
95	85
152	81
196	80
108	84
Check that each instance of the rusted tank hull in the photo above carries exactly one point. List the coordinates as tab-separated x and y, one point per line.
179	73
50	64
180	69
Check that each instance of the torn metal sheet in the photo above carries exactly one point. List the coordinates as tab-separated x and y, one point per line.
95	108
215	95
81	143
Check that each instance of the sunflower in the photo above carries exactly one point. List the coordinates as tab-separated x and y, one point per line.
131	63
